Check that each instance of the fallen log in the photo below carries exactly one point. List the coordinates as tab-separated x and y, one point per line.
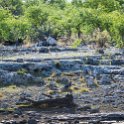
66	101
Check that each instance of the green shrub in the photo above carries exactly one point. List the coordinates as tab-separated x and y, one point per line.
76	43
21	71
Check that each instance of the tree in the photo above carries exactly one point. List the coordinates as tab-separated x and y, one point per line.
106	5
77	3
18	28
15	6
11	28
3	27
56	3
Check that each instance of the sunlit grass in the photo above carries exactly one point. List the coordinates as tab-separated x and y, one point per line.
75	89
48	55
10	89
1	95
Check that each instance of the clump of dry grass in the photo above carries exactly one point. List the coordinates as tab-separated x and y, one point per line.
76	89
82	79
101	37
53	74
11	89
50	92
1	95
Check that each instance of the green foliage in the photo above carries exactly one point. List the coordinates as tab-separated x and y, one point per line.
76	43
114	23
4	14
21	71
106	5
56	3
15	6
12	28
35	18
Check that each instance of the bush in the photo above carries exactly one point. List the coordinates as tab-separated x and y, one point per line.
76	43
21	71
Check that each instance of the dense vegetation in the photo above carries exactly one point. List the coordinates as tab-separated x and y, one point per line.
29	20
